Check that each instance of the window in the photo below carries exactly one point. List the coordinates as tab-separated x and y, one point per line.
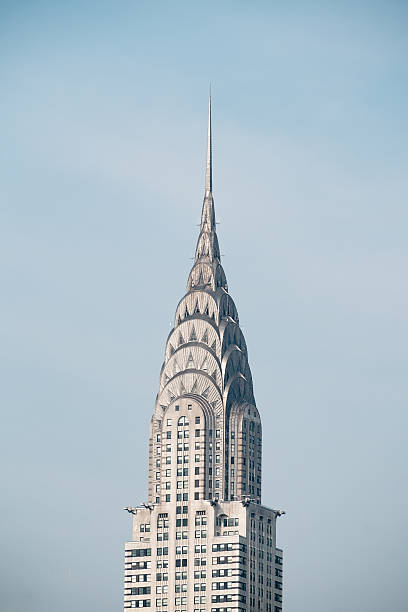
169	421
197	433
197	420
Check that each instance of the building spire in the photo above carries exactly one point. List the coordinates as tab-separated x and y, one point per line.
208	169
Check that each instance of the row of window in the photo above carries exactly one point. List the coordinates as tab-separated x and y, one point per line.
163	602
139	591
184	422
138	565
139	552
227	522
229	546
181	433
138	578
182	550
185	446
164	576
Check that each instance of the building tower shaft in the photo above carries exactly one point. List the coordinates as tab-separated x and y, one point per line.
205	459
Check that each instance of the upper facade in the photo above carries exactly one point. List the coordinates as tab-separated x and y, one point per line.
205	380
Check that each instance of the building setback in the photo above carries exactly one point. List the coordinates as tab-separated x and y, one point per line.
203	542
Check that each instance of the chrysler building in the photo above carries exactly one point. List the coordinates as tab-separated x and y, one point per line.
203	541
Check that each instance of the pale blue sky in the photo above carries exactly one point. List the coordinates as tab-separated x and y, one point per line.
103	120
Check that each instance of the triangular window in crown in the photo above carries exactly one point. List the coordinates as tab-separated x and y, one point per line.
176	367
182	388
163	407
206	312
194	387
171	396
205	392
213	405
180	339
178	320
204	365
214	375
190	361
172	349
193	335
186	313
200	278
205	337
196	308
166	377
214	346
